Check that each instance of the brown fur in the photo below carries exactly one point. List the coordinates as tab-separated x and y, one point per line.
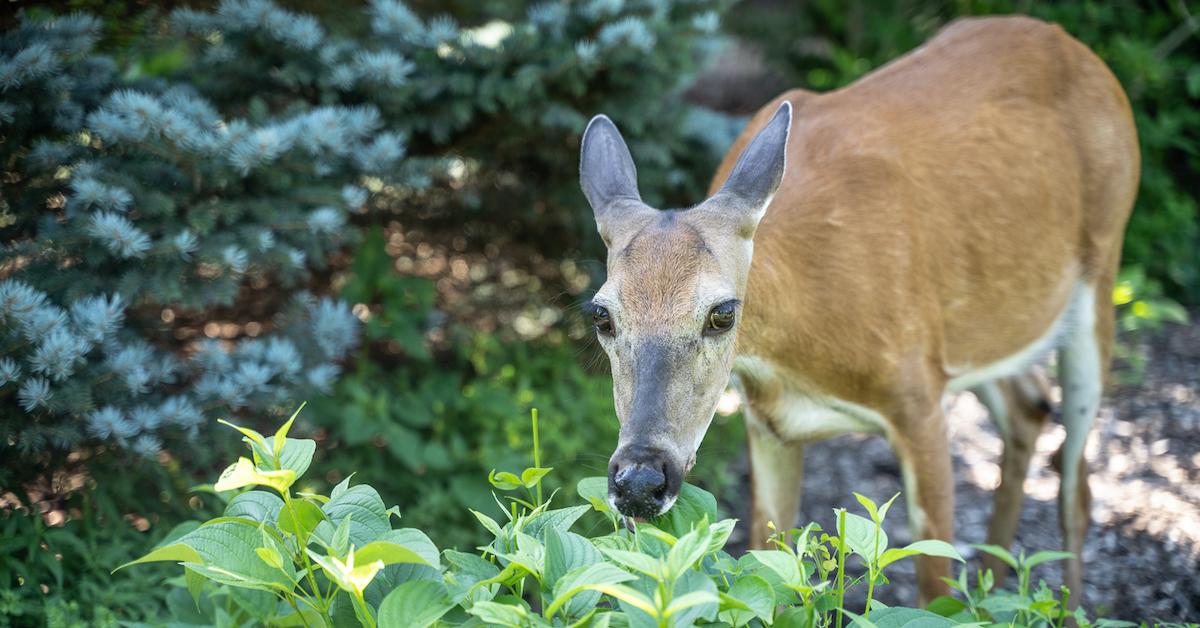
937	214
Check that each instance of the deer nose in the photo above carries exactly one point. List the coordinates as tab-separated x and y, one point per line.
639	481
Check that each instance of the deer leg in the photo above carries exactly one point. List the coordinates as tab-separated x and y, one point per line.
1020	407
924	452
1081	374
776	474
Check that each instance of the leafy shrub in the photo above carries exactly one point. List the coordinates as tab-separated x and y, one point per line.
1152	48
286	558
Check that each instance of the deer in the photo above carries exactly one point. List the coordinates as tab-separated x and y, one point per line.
942	224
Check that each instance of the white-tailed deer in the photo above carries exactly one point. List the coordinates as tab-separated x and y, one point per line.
939	225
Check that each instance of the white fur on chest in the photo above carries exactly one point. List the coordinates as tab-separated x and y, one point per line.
800	415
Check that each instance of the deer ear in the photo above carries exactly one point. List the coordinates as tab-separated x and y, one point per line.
606	170
757	174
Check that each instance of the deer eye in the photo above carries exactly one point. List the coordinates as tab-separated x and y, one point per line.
602	320
720	318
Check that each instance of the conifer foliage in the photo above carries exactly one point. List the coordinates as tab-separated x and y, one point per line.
138	203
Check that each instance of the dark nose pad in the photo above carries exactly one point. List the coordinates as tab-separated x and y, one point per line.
639	481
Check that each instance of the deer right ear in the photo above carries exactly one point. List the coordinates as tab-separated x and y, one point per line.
606	171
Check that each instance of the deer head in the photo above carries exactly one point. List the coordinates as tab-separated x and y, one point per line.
667	315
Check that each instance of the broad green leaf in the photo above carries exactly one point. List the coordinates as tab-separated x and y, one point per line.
926	547
351	575
583	579
756	597
946	605
636	561
560	519
297	454
225	546
341	487
999	552
414	604
220	575
244	473
258	506
388	553
720	532
869	505
251	435
594	490
300	519
693	505
1046	556
270	556
907	618
627	595
281	433
495	614
689	600
490	524
860	537
416	541
690	548
782	563
504	480
530	476
369	517
566	551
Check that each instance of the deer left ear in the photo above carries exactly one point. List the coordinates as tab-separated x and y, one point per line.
756	176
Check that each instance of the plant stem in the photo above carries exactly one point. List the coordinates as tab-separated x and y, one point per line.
841	567
537	453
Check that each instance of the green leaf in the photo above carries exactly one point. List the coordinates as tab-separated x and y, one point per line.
244	473
999	552
300	519
756	597
504	480
907	618
258	506
417	603
636	561
594	490
388	553
860	537
688	600
297	454
693	505
582	579
566	551
782	563
689	549
946	606
530	476
869	505
224	547
281	433
561	519
416	541
1046	556
270	556
495	614
369	517
627	595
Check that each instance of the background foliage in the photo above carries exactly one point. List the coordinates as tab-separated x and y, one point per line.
201	169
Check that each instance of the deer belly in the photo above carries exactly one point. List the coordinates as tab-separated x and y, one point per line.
797	415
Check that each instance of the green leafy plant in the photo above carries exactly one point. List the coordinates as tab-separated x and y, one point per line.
282	557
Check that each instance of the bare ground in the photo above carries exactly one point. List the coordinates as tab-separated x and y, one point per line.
1143	550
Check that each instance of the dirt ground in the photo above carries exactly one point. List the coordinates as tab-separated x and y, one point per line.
1143	550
